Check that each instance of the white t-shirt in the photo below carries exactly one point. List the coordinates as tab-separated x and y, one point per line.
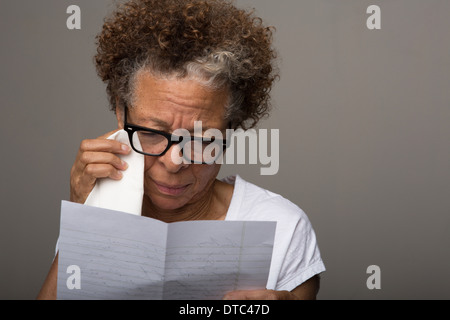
296	256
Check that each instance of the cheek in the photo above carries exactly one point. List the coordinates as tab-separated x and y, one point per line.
148	164
205	173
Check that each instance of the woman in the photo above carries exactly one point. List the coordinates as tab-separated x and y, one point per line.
168	64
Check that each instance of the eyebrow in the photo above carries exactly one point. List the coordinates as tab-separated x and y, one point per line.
159	122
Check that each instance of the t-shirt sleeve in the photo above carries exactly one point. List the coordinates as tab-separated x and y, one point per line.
302	260
296	253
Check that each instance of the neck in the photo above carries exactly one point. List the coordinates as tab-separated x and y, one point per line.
209	207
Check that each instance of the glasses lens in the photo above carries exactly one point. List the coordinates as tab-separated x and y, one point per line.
149	143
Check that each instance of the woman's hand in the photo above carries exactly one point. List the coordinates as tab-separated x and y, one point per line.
96	159
260	295
306	291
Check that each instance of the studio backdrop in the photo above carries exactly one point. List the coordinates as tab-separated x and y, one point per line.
363	113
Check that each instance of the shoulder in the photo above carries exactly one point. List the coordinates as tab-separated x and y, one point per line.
252	202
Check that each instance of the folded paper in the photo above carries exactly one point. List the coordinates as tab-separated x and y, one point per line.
106	254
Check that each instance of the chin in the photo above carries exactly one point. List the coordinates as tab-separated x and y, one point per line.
166	203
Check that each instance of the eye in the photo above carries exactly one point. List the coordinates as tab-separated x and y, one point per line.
148	134
150	137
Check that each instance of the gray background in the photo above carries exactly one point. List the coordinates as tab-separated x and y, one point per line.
364	124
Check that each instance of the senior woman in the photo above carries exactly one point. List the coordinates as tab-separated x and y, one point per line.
168	64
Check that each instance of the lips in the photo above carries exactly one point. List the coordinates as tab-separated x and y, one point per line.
171	190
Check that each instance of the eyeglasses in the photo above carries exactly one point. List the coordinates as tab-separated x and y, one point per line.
155	143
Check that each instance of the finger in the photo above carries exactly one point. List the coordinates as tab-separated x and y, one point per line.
102	158
257	295
92	172
103	145
243	295
83	181
90	157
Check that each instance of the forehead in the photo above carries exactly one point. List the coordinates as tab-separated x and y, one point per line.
177	103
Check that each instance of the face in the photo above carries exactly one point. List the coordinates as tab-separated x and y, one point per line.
167	105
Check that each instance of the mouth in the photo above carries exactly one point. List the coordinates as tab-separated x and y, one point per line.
171	190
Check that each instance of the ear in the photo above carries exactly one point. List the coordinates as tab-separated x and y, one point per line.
119	115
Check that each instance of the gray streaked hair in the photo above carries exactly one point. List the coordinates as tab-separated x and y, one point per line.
212	41
213	71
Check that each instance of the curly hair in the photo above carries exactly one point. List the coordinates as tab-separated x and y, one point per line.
208	39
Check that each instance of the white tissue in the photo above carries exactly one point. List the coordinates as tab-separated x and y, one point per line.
121	195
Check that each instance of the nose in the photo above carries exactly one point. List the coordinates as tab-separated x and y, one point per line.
173	160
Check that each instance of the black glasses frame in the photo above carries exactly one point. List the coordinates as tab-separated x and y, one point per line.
171	139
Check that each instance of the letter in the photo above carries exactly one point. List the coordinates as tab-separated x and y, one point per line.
241	136
177	151
210	310
229	155
374	21
274	152
182	310
74	281
374	281
190	310
213	153
203	310
265	309
74	21
243	312
198	149
226	309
